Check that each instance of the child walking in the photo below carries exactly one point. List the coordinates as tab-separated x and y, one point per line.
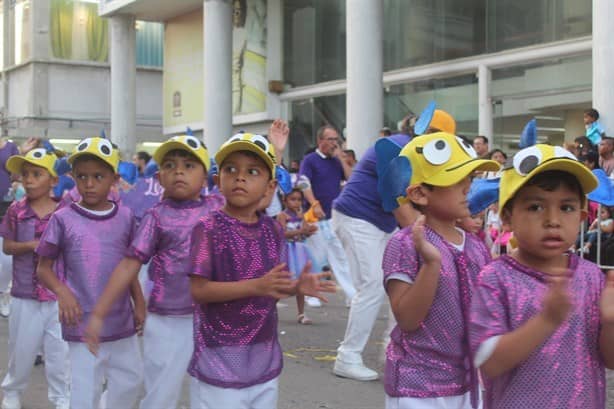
296	230
33	323
91	237
237	276
429	269
163	237
542	323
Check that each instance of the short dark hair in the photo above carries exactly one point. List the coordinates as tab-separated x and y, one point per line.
350	152
550	181
593	113
323	128
386	131
142	155
591	157
495	151
90	158
482	137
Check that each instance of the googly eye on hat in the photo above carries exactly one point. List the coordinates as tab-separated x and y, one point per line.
99	147
187	143
537	159
257	144
37	157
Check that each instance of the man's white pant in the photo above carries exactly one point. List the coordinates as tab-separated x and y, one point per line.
167	348
364	246
324	246
32	325
118	362
261	396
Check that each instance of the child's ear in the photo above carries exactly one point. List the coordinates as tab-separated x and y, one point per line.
54	181
506	216
416	194
583	215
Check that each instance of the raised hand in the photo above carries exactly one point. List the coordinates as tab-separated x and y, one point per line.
277	283
557	302
313	284
607	300
429	253
278	135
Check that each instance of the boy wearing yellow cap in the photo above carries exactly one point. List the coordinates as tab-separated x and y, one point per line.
542	323
429	269
91	237
163	240
33	322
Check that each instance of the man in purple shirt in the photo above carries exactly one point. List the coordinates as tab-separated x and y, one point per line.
325	171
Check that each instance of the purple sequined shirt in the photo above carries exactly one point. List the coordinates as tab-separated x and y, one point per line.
21	224
91	247
164	237
235	342
566	371
434	360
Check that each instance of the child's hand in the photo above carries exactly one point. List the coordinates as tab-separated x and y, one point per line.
557	302
429	253
277	283
308	229
92	333
139	317
278	135
315	283
607	300
70	310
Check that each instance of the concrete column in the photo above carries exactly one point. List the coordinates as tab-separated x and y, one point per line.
365	95
485	115
603	61
123	83
217	32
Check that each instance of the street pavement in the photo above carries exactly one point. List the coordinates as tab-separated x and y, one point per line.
307	381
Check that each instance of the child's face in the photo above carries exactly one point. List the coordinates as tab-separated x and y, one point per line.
446	203
606	147
605	214
182	177
294	201
37	181
94	180
498	156
472	224
545	223
244	180
588	119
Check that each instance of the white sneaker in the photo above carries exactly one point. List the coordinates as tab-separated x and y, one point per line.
313	302
358	372
11	402
5	304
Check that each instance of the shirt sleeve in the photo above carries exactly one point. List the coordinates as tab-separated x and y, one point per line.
201	249
401	261
8	228
144	244
52	239
307	168
488	313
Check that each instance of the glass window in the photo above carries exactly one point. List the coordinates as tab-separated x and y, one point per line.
519	23
314	41
425	31
20	16
308	116
149	44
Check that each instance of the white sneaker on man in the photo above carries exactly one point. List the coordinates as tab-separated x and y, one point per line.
11	402
358	372
313	302
5	304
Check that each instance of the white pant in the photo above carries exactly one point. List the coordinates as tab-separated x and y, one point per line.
32	325
167	349
325	245
6	269
261	396
118	362
447	402
364	246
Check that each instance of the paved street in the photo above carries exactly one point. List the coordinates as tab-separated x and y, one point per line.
307	381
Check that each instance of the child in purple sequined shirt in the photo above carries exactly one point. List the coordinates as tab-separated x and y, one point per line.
542	323
33	323
237	275
429	269
163	237
91	237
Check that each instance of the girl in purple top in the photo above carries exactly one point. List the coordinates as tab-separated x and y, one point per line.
238	273
542	323
163	237
33	322
429	269
91	237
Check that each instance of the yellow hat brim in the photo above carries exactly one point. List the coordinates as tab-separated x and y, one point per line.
243	145
108	160
168	146
15	163
456	173
588	181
